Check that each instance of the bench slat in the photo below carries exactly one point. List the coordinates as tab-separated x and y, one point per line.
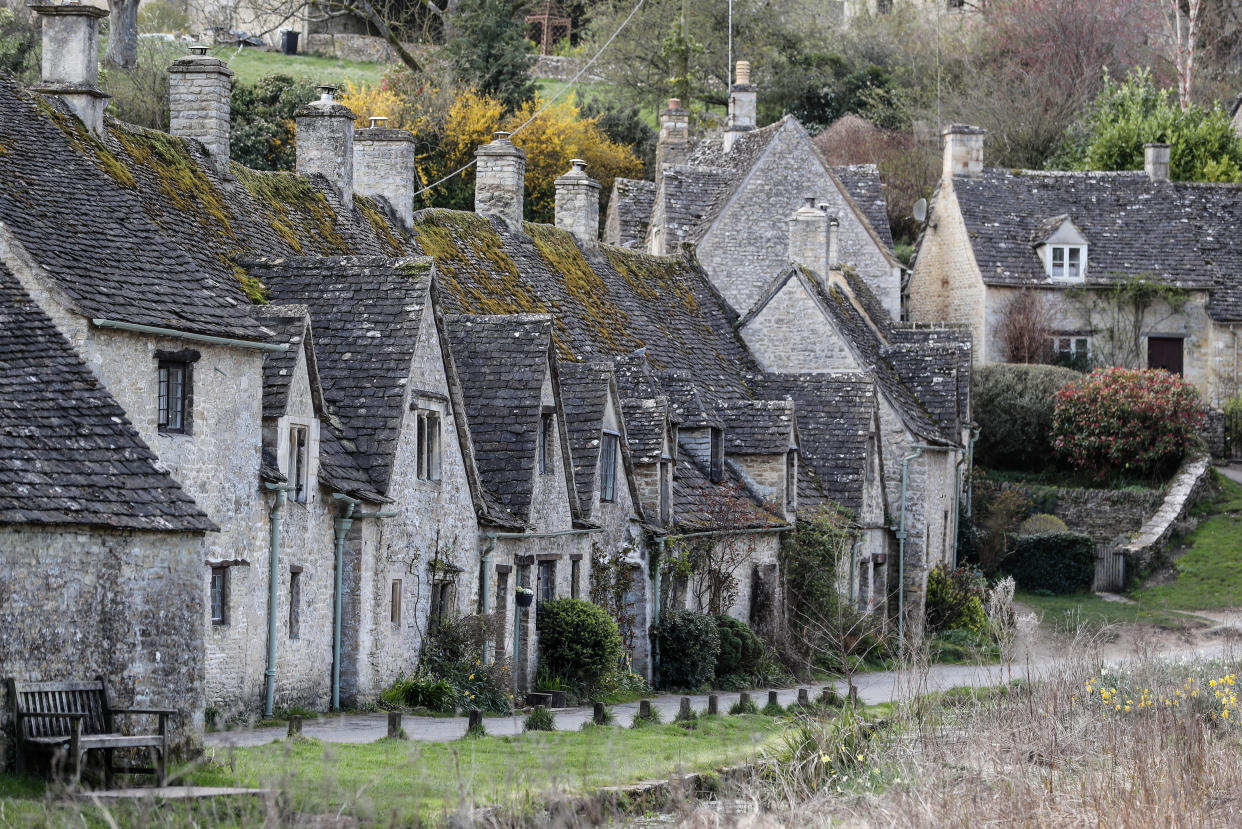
33	687
104	741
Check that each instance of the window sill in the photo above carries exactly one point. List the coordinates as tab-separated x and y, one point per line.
170	433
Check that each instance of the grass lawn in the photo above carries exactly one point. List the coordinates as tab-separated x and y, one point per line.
1068	612
251	64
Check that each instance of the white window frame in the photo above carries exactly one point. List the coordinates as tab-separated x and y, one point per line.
429	444
1073	345
1066	253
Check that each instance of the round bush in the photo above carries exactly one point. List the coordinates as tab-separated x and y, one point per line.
578	641
689	646
740	649
1132	423
1013	406
955	600
1042	522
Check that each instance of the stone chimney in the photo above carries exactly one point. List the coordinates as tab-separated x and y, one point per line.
500	181
673	146
1156	161
384	165
71	59
199	95
963	150
577	204
808	239
743	106
834	231
326	143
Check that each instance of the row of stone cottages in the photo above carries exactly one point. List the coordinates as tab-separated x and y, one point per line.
261	430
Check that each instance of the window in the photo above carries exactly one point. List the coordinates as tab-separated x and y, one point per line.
394	606
295	602
547	423
174	396
297	463
441	602
575	570
219	595
428	445
1070	348
608	467
1066	262
547	581
717	450
791	479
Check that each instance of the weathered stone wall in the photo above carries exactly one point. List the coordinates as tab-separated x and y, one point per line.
945	285
385	165
1192	480
500	182
1103	514
791	334
76	603
346	46
577	207
325	146
749	243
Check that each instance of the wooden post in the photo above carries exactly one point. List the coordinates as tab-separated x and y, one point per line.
804	699
474	720
713	705
825	696
394	724
644	709
295	725
598	714
772	700
684	712
743	702
854	696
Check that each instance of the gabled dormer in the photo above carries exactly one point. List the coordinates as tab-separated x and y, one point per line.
293	404
1062	248
762	445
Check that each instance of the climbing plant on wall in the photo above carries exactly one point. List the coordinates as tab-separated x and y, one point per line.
1119	315
611	587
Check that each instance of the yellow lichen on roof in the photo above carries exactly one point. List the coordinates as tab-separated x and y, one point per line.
88	144
295	210
379	223
653	277
561	252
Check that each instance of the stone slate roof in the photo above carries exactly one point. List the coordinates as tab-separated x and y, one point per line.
290	324
632	200
689	193
862	182
77	209
871	305
1132	225
732	167
757	427
936	363
68	453
692	406
584	395
367	312
835	420
339	471
645	421
502	361
699	504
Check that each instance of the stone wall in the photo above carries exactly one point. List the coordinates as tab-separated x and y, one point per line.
945	285
77	603
385	164
791	333
1103	514
1192	480
200	102
344	46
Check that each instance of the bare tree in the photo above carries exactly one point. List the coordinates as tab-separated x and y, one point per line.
1182	33
1025	330
122	34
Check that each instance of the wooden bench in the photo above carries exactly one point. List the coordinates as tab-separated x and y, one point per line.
64	720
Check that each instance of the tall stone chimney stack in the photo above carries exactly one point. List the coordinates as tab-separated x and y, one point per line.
963	150
577	204
1156	161
743	106
673	146
834	234
326	143
199	102
808	239
385	165
71	59
500	181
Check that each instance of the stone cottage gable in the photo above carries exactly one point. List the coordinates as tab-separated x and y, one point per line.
863	183
683	196
68	453
290	324
730	504
592	404
629	213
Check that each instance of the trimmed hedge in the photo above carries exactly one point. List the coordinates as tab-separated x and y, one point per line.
1013	405
689	646
1053	562
578	640
740	649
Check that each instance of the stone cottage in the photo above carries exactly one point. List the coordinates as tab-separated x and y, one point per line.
1076	244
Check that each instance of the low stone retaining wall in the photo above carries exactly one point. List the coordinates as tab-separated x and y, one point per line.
353	47
1107	515
561	69
1192	479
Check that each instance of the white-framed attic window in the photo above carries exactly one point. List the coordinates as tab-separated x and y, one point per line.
1064	252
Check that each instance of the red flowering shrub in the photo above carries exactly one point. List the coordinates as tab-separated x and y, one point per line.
1120	422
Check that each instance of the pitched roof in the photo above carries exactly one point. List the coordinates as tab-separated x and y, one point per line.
731	167
701	504
339	471
862	182
68	453
692	406
290	324
503	361
1133	226
584	392
631	202
835	421
689	193
757	427
367	312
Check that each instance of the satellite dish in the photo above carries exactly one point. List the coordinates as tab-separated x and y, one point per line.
920	210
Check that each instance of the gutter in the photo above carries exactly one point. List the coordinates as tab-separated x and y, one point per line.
340	526
273	594
584	531
186	335
755	531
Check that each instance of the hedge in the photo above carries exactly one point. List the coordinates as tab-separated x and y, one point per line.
1052	562
740	649
689	646
578	640
1013	406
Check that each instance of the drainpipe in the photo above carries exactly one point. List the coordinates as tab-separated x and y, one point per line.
273	595
486	589
901	544
655	605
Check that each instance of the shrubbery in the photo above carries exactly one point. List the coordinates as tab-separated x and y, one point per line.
262	134
1013	405
1053	562
578	641
1132	423
740	649
955	600
689	647
1042	522
453	653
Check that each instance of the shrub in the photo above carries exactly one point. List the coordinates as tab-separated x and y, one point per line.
578	640
540	719
747	707
689	646
1136	423
453	652
422	691
262	132
740	649
955	600
1013	405
1042	522
1053	562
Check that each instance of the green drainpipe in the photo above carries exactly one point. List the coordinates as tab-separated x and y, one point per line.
655	606
273	595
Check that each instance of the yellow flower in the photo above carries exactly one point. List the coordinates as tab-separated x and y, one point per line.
471	676
1212	683
1127	708
1225	713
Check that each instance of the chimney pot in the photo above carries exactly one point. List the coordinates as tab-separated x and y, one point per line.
199	103
198	49
378	121
326	92
674	103
501	135
70	66
500	180
743	72
577	204
963	150
1156	161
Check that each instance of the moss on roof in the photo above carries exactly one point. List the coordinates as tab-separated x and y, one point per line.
295	210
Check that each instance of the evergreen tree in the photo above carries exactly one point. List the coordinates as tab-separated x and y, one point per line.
489	51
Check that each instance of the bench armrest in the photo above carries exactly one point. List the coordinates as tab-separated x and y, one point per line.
167	711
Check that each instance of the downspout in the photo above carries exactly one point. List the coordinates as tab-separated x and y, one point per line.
655	605
901	544
486	589
273	595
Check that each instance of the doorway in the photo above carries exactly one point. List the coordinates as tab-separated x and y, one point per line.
1165	353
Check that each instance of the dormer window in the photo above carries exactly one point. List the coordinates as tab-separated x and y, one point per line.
1067	262
717	450
1063	249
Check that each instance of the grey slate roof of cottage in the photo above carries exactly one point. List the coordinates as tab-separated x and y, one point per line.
862	182
645	422
584	392
340	472
367	312
689	193
757	427
290	324
68	453
936	363
502	361
632	200
692	406
701	504
1132	225
875	311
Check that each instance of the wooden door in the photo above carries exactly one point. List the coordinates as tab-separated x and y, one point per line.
1165	353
